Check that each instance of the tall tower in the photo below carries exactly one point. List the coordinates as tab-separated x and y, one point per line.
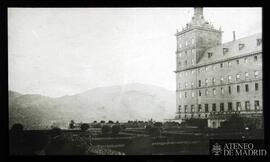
192	42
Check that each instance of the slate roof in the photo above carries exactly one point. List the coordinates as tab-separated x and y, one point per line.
250	46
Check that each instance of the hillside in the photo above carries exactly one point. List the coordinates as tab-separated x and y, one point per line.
122	103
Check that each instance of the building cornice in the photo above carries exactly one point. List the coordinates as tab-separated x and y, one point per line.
199	28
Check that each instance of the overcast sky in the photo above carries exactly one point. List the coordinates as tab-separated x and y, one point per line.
60	51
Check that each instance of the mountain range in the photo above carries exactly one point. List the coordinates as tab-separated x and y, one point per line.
117	103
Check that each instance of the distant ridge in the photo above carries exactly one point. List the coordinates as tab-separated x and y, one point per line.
124	102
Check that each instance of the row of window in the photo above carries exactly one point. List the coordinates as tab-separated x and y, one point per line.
186	42
238	107
222	80
221	65
222	90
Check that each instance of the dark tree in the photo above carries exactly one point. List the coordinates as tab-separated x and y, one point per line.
110	122
16	142
71	124
102	121
158	124
95	121
116	129
106	129
84	126
55	132
17	127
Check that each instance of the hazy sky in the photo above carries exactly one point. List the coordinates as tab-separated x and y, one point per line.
59	51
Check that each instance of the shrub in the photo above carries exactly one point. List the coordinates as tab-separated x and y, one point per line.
110	121
17	127
106	129
102	121
123	126
148	127
84	126
116	129
158	124
55	132
235	122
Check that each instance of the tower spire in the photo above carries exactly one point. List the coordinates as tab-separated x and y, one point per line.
198	11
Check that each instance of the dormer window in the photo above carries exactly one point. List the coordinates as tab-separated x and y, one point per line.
210	54
225	50
259	42
241	46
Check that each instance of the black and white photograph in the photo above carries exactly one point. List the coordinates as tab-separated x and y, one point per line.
135	81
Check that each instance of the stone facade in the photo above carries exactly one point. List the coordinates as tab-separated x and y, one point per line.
215	80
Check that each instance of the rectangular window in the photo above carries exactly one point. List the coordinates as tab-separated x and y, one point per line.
241	46
214	107
192	94
222	90
230	90
256	73
247	105
186	62
206	82
221	107
246	87
259	42
229	63
214	91
246	75
206	107
238	106
192	108
237	76
221	80
221	65
200	93
255	58
229	106
199	108
186	107
213	81
238	88
206	92
229	79
179	108
257	105
199	83
237	62
185	94
246	60
186	85
225	50
210	54
256	86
